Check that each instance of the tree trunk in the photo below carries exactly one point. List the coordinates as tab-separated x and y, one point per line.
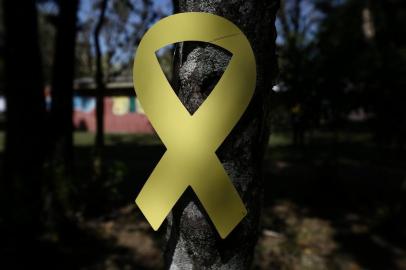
61	127
25	136
193	243
100	79
62	85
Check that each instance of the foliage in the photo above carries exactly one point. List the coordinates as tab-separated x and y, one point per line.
337	57
125	23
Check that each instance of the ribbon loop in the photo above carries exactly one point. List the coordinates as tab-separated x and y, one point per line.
192	140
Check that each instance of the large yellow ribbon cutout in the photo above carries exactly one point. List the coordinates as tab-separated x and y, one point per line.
191	140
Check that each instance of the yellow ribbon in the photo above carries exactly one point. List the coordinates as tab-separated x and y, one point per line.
191	140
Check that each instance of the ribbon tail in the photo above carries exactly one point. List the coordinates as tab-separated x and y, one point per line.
161	191
219	197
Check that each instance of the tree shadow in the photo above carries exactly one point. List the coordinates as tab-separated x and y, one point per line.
358	188
85	249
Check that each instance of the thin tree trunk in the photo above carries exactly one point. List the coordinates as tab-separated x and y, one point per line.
100	79
61	126
25	137
62	85
193	242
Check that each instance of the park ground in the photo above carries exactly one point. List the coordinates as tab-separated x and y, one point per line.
338	202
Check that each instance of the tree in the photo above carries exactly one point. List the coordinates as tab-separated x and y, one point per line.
60	128
25	138
361	64
120	26
193	243
62	85
298	21
99	78
387	80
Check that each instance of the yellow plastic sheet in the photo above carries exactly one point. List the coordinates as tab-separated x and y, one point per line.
191	140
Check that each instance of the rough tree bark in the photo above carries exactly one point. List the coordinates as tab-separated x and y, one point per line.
193	243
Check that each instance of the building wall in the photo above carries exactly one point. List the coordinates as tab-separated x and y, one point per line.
121	115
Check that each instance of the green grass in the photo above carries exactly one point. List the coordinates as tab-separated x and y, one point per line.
277	139
87	139
82	139
321	184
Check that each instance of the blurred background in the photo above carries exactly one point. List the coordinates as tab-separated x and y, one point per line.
79	146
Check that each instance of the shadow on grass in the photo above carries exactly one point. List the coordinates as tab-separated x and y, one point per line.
358	188
85	249
127	164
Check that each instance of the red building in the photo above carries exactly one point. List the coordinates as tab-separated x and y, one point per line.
115	121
